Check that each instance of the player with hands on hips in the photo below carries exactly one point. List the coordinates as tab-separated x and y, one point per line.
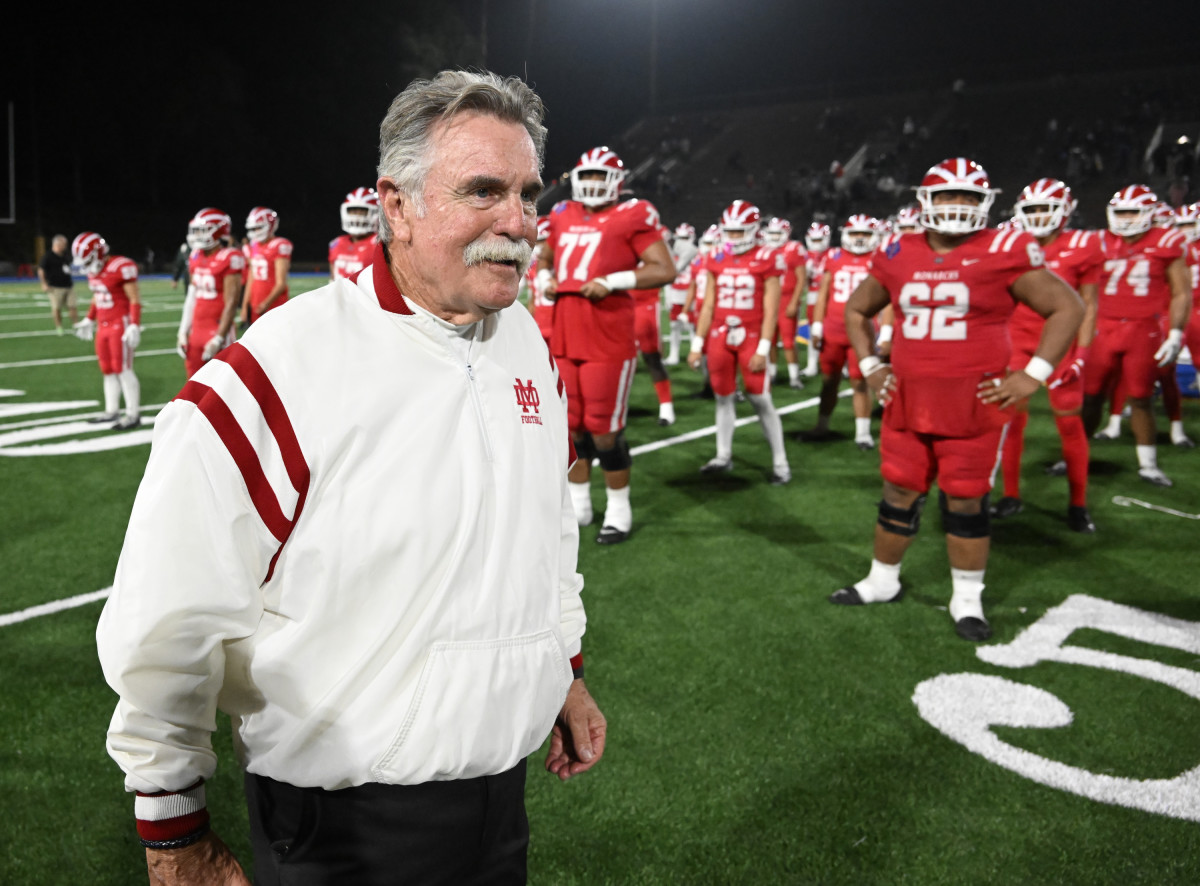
599	249
736	329
948	393
114	321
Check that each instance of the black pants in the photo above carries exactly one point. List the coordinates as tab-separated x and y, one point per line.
472	831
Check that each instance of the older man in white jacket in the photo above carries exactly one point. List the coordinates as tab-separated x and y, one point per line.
354	536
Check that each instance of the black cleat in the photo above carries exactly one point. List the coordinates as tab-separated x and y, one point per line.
1079	520
1007	507
974	629
849	596
611	535
128	423
781	476
1058	469
717	466
103	418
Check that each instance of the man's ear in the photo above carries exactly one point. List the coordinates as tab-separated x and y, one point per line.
397	208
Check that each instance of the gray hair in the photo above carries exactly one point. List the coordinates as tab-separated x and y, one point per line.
405	134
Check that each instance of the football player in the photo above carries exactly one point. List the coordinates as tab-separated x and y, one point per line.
735	330
1044	210
539	305
683	250
778	235
598	250
1188	221
947	392
269	259
352	251
1145	277
816	241
844	268
114	321
647	329
215	291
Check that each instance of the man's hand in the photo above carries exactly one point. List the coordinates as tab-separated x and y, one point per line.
1014	388
132	336
205	863
1073	372
214	345
758	363
792	311
577	740
882	383
181	343
1169	349
85	329
594	290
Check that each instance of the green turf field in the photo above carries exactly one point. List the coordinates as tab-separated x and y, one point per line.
757	734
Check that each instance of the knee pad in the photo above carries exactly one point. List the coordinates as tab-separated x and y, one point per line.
617	458
585	447
966	525
901	521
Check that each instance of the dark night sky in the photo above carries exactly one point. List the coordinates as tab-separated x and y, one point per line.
144	120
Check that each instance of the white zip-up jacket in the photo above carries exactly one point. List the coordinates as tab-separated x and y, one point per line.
358	545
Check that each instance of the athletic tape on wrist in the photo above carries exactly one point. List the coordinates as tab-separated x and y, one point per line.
697	344
869	365
620	280
764	348
1039	369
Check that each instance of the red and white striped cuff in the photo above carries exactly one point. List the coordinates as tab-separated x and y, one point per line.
171	817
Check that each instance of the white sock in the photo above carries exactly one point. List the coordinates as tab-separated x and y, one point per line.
673	341
666	411
132	389
967	601
617	511
862	427
1177	432
881	584
581	498
793	371
772	427
811	365
1114	425
726	419
112	394
1147	456
773	370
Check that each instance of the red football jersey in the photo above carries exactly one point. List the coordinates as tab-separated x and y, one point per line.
262	270
846	270
587	245
108	288
1193	261
953	309
347	257
741	282
816	267
1133	282
1077	257
208	277
794	256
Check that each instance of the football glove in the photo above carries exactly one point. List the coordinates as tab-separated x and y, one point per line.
1169	349
132	335
181	343
214	345
1073	372
85	329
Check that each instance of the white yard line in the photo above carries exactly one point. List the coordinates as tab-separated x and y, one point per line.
22	364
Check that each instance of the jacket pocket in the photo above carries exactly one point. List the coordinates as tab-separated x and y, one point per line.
479	707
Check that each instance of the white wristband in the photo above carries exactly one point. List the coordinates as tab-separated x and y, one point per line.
1039	369
885	334
620	280
817	329
1175	337
870	365
764	348
697	344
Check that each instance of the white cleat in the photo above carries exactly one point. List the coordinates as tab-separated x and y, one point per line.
717	466
1183	441
781	476
864	443
1106	434
666	414
1155	476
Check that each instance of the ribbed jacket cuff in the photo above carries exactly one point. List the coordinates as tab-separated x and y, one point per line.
170	819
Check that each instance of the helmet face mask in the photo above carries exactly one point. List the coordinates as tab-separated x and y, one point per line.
711	238
261	224
360	212
816	239
908	221
1044	207
597	177
206	229
860	234
777	232
685	233
1131	211
966	197
1187	219
88	253
739	226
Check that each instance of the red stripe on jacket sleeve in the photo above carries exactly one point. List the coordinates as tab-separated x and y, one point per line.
213	408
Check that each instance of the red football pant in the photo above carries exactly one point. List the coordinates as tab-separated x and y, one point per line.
835	355
597	394
965	467
724	363
1123	349
111	351
646	327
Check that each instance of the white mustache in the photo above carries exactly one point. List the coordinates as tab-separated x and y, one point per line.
501	250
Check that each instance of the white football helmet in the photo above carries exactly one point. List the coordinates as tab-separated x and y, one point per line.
1044	207
360	212
261	224
777	232
89	252
908	221
686	233
860	234
816	238
1131	210
597	191
956	175
207	228
1187	219
739	225
711	238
